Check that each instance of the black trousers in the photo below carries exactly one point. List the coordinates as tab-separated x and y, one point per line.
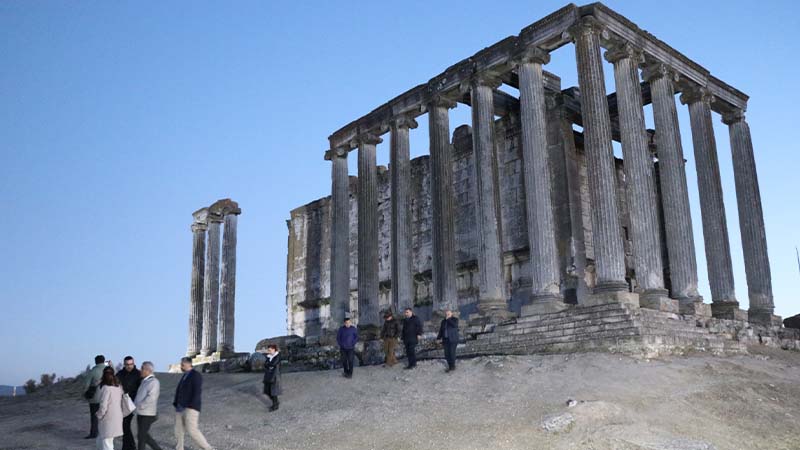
143	424
348	356
267	392
93	408
450	353
411	354
128	443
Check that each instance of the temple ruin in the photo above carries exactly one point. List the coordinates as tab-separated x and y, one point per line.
534	232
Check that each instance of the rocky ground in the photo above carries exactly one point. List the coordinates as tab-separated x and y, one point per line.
678	403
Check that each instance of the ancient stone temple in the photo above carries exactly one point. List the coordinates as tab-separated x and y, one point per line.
213	286
526	216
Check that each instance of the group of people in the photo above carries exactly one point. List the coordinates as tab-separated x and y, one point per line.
410	332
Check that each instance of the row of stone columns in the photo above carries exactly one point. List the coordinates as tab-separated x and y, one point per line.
611	285
213	285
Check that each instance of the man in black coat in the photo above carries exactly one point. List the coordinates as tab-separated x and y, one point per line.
272	376
412	333
448	334
129	378
187	403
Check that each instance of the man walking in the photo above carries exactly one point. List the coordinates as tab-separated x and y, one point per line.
347	338
187	406
389	333
412	333
91	389
129	379
147	406
448	335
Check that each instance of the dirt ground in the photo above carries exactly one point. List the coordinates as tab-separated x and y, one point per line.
696	402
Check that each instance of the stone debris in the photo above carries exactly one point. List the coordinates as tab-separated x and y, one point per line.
557	423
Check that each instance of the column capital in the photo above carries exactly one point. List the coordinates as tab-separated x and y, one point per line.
484	78
199	227
402	121
733	116
696	94
201	216
653	70
621	50
585	26
366	138
435	98
531	54
224	207
340	152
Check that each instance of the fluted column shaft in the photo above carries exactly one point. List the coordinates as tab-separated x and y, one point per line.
400	171
751	219
545	277
639	172
211	287
196	294
228	286
340	239
444	259
674	192
712	206
606	232
490	262
368	313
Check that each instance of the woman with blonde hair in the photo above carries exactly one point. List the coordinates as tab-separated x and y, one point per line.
109	415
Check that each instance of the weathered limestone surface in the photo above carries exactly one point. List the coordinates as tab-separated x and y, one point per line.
402	277
340	250
199	228
211	285
368	313
227	311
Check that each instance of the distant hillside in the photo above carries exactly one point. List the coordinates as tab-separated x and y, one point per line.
7	391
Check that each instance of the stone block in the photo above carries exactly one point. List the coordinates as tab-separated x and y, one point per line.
695	308
659	303
620	297
792	322
544	307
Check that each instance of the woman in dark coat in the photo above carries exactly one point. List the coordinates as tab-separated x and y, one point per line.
272	376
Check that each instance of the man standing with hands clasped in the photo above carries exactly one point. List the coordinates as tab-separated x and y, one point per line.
448	335
412	332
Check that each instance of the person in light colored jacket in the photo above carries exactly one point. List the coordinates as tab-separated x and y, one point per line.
109	414
147	406
92	379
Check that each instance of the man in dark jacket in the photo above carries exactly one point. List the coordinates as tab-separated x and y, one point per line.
448	334
187	404
129	378
389	333
412	333
347	338
272	376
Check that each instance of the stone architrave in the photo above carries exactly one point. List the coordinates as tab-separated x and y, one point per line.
199	228
751	221
340	239
640	180
442	227
400	172
712	207
674	192
211	284
368	308
609	252
227	289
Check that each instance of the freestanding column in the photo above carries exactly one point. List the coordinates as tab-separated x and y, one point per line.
340	239
368	314
211	285
751	220
444	259
606	231
199	228
640	181
545	277
491	297
712	207
674	193
400	170
228	285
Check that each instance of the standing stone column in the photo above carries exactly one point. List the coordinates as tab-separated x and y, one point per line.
674	193
712	207
400	170
211	285
340	239
606	231
751	220
199	228
228	276
491	299
640	180
545	278
444	258
368	313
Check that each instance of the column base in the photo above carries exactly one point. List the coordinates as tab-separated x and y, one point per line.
659	300
728	310
694	306
368	332
610	286
604	298
544	304
764	318
495	311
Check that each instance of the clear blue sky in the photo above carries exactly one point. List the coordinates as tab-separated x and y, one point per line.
118	119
